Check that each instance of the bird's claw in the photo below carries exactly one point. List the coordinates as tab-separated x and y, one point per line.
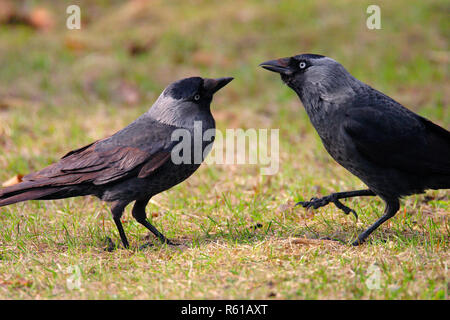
357	242
110	245
314	202
344	208
321	202
170	243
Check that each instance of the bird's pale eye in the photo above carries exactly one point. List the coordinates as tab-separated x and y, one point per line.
197	97
302	65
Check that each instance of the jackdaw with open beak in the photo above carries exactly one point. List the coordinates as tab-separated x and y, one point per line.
135	163
394	151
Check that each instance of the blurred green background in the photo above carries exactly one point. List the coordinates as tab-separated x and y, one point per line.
61	89
127	52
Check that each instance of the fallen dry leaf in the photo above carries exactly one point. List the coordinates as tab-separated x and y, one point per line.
137	48
7	11
41	19
14	180
75	44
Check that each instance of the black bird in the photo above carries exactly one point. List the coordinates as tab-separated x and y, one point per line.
394	151
135	163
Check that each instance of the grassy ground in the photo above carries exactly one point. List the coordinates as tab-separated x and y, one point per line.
239	235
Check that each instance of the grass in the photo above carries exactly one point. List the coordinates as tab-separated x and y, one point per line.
240	236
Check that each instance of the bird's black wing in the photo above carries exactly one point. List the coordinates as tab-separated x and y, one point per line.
137	150
390	135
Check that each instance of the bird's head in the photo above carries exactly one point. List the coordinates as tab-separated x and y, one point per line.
312	76
186	100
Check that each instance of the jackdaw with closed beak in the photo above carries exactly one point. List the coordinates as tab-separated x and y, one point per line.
394	151
135	163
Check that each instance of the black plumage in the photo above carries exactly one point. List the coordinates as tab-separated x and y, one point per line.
394	151
135	163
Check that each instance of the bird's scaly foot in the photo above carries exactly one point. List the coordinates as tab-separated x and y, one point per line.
110	245
316	203
357	242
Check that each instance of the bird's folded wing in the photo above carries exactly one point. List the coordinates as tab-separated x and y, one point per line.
398	138
99	166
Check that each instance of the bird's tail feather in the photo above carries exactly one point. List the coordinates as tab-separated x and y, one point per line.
24	195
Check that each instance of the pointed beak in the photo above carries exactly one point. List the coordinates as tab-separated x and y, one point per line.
214	85
280	66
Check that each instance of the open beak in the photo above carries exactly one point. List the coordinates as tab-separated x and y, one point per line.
214	85
280	66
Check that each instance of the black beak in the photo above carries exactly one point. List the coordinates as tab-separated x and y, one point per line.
280	66
214	85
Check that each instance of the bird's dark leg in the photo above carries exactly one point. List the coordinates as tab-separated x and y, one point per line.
390	210
334	198
141	217
117	212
